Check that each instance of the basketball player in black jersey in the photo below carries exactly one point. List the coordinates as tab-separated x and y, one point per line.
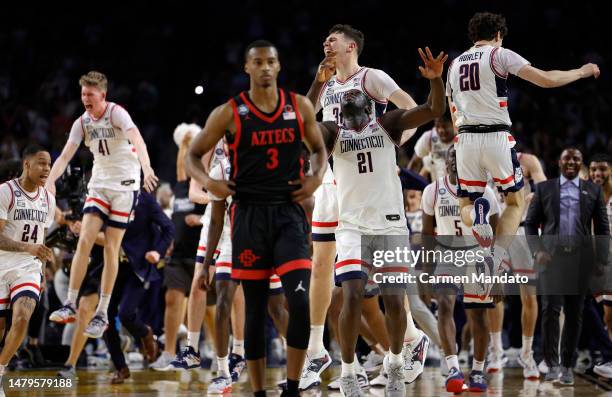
265	128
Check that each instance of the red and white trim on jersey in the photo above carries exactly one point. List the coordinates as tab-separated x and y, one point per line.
234	146
201	253
492	64
350	269
25	193
363	85
342	82
276	287
451	189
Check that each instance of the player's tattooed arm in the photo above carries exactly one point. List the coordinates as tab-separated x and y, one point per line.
399	120
7	244
25	305
219	121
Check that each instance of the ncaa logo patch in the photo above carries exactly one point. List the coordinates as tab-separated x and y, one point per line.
219	151
243	109
442	191
330	83
17	193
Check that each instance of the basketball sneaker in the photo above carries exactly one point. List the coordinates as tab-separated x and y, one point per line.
481	229
496	361
477	382
220	385
97	326
454	381
64	315
237	364
187	358
313	368
373	362
349	387
395	379
530	367
415	354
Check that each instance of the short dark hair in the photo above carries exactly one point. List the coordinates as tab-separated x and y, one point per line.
485	25
600	158
31	150
258	44
351	33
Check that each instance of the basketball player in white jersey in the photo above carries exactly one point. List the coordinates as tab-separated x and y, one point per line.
26	211
600	172
119	152
441	212
429	156
520	262
370	203
339	72
478	97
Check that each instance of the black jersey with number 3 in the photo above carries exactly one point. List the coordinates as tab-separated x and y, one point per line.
265	151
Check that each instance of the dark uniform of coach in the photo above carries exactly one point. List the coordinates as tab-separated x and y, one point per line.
567	209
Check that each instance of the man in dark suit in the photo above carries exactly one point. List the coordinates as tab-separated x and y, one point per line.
146	240
567	210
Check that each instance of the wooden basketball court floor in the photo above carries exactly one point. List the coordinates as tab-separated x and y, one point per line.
194	383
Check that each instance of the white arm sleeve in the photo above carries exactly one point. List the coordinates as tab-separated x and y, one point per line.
51	204
120	118
490	195
76	132
427	200
215	173
5	200
423	145
379	85
508	61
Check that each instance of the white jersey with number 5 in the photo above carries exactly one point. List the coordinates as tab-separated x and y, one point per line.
116	164
369	188
476	83
440	201
27	215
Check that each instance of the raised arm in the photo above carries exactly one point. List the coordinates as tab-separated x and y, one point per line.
399	120
219	121
60	164
325	71
557	78
403	100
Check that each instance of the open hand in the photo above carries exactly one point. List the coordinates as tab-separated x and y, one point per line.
432	67
150	180
220	189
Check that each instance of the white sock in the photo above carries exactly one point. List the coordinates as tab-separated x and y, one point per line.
496	341
395	359
412	333
73	295
348	369
103	305
238	347
477	365
527	345
315	343
452	361
193	340
223	366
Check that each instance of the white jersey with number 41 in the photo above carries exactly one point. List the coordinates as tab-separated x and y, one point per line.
116	164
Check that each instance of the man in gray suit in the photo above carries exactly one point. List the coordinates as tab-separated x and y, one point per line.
568	211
